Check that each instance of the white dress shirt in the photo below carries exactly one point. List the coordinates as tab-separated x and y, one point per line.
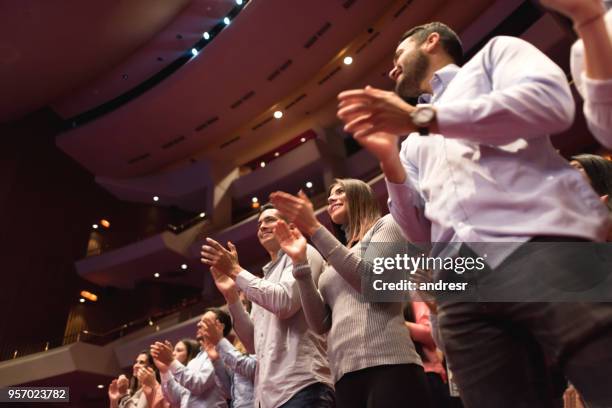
492	174
290	357
597	93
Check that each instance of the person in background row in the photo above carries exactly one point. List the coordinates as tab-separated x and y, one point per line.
200	388
142	390
184	351
591	61
373	361
227	360
292	367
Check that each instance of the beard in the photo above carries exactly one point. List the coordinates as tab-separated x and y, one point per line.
413	74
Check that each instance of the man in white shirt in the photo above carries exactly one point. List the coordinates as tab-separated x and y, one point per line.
292	367
481	171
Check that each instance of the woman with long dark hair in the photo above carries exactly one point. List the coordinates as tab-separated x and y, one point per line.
372	358
142	390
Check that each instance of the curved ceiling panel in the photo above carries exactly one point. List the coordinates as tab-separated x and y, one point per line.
47	48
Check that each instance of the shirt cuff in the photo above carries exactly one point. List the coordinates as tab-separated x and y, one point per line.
175	366
244	279
597	90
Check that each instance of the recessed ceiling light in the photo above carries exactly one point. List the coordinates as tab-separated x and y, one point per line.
202	215
105	223
278	114
194	52
226	20
254	200
95	226
184	266
82	300
348	60
206	35
276	154
100	386
262	164
155	198
303	139
156	275
239	2
308	184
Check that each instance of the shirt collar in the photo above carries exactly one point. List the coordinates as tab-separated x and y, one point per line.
267	267
442	78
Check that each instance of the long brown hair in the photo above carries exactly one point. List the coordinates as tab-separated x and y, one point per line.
362	208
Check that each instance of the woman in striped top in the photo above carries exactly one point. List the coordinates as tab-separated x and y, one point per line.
371	355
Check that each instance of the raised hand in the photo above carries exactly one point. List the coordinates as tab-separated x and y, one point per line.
369	111
211	350
162	352
213	331
225	284
224	260
291	241
297	209
113	391
123	384
146	377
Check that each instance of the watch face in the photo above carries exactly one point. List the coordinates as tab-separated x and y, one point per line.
423	116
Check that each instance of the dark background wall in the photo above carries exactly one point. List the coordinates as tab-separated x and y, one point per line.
48	204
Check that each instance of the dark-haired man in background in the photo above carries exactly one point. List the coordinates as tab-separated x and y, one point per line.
478	168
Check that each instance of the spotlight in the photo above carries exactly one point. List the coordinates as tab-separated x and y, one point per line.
105	223
255	205
348	60
155	198
100	386
262	164
254	200
82	300
278	114
95	226
194	52
206	35
226	20
308	184
303	139
239	2
276	154
156	275
202	215
184	266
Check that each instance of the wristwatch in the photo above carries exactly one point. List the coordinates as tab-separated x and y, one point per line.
422	117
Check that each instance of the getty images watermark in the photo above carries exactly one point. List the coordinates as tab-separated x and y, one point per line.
488	272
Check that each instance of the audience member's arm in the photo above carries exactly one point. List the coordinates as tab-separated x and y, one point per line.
243	325
237	362
530	97
386	241
196	382
280	298
293	243
172	391
420	329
